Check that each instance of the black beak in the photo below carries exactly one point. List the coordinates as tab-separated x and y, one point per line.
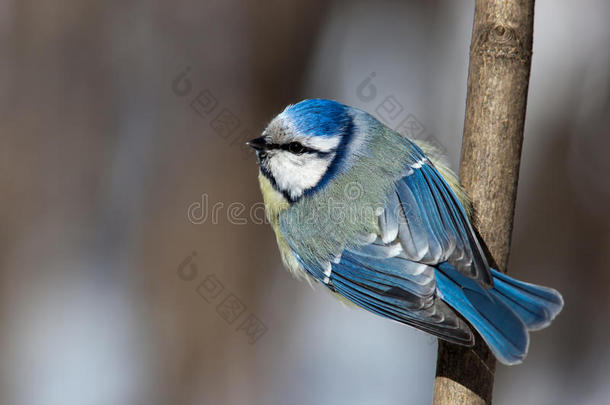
257	144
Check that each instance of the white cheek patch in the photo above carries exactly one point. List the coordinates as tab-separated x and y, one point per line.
297	173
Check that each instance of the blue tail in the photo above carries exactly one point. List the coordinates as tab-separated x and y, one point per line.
502	315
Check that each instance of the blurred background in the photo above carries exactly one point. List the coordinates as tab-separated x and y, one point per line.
134	264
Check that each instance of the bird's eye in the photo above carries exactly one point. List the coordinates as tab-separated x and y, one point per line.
296	148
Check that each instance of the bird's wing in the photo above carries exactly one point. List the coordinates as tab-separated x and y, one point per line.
380	278
426	217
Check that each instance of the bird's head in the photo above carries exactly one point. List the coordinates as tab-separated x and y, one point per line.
303	147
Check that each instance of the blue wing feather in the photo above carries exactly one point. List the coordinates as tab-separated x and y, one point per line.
428	199
396	288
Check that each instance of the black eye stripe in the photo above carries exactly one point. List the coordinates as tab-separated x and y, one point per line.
297	150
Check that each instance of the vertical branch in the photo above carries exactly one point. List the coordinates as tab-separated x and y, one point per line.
498	77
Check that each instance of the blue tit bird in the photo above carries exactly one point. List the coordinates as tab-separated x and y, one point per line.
362	210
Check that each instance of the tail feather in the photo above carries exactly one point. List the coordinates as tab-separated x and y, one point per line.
502	315
537	306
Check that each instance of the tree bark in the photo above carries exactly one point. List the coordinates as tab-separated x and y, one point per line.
498	78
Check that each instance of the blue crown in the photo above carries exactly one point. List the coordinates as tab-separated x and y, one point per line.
319	117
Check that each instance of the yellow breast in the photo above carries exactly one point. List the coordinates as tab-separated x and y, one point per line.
275	203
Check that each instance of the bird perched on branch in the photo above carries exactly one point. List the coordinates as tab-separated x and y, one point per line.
364	211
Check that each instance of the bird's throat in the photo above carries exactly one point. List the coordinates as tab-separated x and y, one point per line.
275	202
